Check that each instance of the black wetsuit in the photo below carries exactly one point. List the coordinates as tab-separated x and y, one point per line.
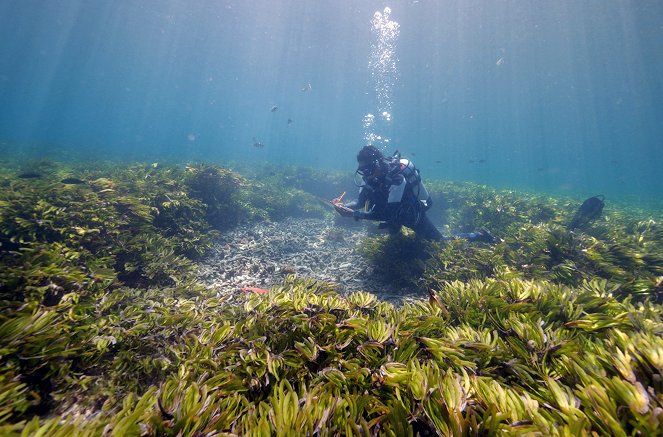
390	199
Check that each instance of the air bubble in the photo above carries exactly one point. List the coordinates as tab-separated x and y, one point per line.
383	69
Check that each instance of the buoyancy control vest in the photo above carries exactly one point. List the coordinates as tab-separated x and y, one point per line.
407	193
399	166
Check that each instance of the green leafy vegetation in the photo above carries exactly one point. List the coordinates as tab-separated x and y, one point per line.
534	242
104	329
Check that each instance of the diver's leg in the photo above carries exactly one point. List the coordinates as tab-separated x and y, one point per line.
392	228
426	229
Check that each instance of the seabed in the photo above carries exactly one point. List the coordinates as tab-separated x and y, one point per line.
122	312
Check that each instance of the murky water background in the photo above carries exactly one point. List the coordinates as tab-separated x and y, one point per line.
561	97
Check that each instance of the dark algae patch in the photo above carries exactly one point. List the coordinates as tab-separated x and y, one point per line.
29	175
106	330
72	181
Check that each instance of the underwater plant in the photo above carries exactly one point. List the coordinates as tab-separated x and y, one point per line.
399	259
105	329
502	355
533	242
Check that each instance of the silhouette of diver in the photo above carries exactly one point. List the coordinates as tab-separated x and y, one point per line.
392	192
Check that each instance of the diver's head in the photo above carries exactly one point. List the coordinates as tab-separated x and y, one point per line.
370	163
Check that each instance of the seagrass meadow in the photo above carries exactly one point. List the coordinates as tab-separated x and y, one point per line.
105	328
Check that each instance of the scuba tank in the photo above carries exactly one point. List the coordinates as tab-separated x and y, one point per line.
414	200
407	169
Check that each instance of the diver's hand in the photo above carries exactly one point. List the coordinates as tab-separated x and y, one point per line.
357	214
343	210
339	207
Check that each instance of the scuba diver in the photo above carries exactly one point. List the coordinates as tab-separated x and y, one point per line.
391	191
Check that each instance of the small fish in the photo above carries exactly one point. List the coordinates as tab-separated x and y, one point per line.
539	169
482	161
273	108
471	161
438	162
257	143
413	154
306	87
500	62
72	181
290	121
29	175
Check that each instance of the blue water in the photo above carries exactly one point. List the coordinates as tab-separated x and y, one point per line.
559	96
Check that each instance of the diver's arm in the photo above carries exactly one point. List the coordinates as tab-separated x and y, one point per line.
358	214
360	201
358	204
384	212
395	199
353	204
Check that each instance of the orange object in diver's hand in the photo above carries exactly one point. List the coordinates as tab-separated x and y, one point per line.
338	199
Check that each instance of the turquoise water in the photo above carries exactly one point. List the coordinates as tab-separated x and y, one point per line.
561	97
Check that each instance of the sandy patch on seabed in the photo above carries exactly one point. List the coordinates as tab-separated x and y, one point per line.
261	255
